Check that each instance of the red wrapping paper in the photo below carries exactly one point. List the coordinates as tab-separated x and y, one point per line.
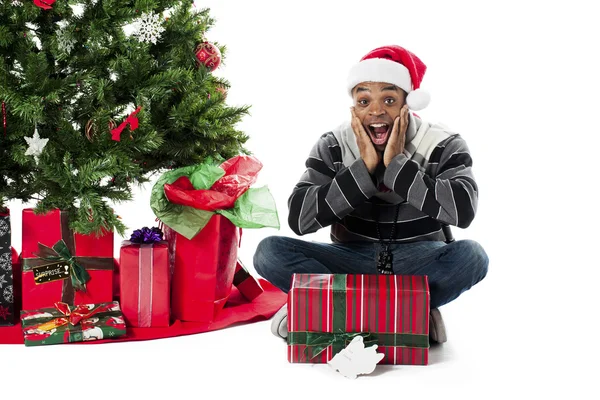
117	281
248	286
145	284
48	229
16	270
378	304
241	172
203	269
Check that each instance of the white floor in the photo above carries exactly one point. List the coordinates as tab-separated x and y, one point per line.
519	81
489	355
528	330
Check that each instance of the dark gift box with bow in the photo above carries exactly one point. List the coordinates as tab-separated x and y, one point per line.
7	298
325	312
65	324
62	266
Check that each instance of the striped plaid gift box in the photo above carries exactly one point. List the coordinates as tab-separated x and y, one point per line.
326	311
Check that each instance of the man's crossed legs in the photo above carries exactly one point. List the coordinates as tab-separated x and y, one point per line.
451	268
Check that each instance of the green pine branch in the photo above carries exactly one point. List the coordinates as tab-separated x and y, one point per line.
75	96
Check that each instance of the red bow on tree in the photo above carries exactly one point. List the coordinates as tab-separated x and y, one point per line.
45	4
132	121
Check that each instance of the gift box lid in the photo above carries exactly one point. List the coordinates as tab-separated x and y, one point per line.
406	283
359	303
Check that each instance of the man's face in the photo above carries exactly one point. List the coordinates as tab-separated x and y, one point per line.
377	105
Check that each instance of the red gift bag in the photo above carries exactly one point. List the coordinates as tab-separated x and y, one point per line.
203	269
203	243
94	254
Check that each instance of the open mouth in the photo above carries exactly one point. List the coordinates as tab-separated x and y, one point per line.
379	133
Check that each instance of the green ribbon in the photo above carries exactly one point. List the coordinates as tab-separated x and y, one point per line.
319	341
60	253
339	303
75	264
338	339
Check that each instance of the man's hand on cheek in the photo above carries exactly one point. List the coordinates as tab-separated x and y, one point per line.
395	144
368	153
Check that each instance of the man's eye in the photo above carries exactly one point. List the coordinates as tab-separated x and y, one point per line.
390	101
363	102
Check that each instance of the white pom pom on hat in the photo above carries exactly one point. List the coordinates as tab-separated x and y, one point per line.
396	65
418	99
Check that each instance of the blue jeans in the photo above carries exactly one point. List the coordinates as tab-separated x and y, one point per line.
451	268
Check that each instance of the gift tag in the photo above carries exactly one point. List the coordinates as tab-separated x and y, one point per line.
51	272
355	359
384	262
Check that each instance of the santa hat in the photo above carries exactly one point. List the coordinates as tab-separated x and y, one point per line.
395	65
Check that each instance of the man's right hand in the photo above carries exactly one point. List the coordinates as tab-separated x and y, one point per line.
368	153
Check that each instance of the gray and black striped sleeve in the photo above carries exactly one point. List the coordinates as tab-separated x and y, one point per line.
451	197
327	191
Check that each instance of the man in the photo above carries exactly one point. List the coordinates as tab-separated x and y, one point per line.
388	184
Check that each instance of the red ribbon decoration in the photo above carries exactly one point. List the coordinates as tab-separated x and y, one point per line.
132	121
74	317
145	285
4	117
45	4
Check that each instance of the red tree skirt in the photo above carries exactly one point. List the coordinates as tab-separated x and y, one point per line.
237	310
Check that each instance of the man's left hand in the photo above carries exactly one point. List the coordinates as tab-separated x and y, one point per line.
395	144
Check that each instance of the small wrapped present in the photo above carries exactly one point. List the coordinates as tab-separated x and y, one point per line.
145	279
248	286
325	312
203	208
62	266
63	324
7	298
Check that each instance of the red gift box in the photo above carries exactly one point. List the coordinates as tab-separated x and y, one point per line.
93	253
248	286
144	284
326	311
203	269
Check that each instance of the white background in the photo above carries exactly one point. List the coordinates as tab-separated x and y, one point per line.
519	81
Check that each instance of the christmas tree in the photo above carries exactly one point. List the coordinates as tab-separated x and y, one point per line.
99	95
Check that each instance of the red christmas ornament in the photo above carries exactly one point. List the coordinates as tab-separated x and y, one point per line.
208	55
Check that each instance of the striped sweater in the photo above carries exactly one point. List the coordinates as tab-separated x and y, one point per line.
431	183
